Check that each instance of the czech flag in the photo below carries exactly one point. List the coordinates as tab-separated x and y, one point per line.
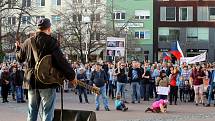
166	56
176	50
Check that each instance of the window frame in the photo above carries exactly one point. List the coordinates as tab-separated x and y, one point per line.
27	20
119	12
166	14
26	4
56	2
144	35
143	17
39	3
209	14
11	20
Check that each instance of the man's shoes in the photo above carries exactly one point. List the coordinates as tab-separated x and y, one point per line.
97	109
208	105
133	102
107	109
197	104
23	101
138	101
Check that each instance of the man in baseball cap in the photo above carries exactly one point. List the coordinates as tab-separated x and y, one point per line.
43	23
43	44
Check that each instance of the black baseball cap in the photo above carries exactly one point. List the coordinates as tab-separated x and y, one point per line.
43	23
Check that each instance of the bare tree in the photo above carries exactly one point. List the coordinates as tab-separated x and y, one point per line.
79	34
11	19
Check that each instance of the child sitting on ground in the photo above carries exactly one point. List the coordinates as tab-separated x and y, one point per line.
119	104
158	106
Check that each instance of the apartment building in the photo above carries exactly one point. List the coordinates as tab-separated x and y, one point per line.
191	22
133	19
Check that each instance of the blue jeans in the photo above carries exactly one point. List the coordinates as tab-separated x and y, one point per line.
47	98
104	97
212	86
135	90
19	94
121	88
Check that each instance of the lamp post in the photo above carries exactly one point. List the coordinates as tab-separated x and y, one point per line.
126	29
86	20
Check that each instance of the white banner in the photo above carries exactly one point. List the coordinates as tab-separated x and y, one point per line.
115	46
195	59
163	90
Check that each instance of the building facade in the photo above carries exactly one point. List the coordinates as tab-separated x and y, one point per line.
191	22
133	19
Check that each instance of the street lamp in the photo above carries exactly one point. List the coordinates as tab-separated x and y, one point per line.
126	29
86	20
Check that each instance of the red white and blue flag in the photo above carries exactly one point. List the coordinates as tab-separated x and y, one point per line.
176	50
166	56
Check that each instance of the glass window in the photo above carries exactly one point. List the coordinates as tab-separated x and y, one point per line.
186	13
147	35
40	3
56	19
77	1
77	17
168	34
95	1
162	13
122	15
119	15
194	34
26	3
183	14
26	20
141	34
202	13
136	35
142	14
212	13
56	2
203	34
11	20
170	13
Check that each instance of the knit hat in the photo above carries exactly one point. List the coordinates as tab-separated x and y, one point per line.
44	23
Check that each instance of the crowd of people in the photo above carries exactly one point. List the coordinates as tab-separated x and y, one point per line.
186	83
12	82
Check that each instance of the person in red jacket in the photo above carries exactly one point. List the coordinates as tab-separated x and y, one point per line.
173	87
